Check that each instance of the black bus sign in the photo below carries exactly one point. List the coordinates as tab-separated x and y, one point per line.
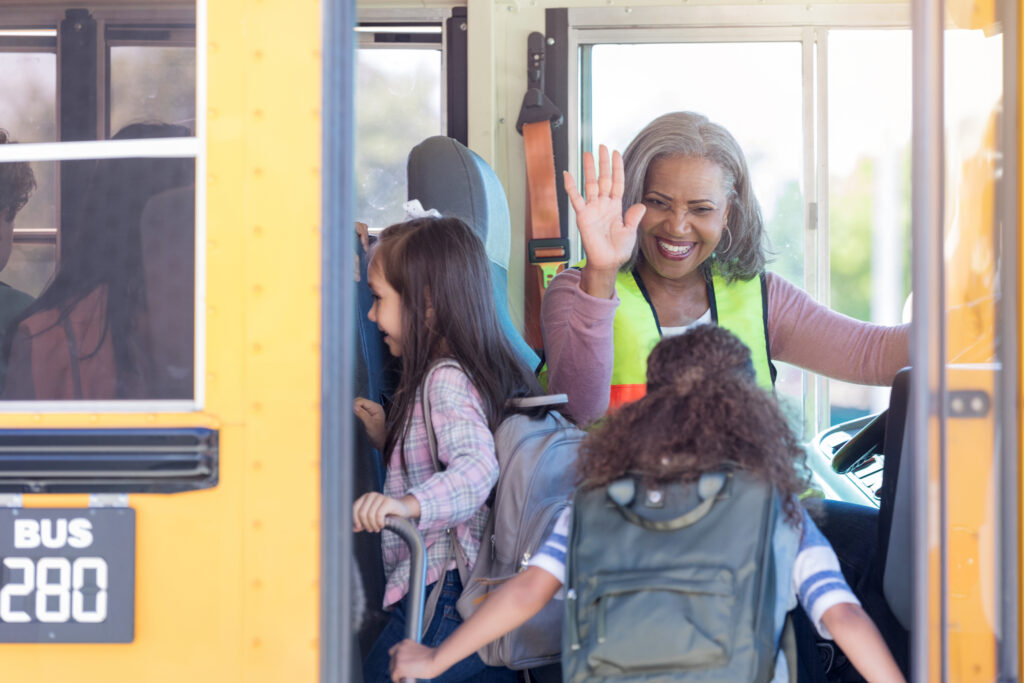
67	575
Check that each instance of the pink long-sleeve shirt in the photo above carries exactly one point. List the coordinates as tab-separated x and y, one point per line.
579	348
453	499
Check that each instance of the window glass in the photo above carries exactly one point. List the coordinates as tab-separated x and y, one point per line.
152	83
97	256
28	112
398	104
28	235
31	265
754	90
869	122
28	81
116	319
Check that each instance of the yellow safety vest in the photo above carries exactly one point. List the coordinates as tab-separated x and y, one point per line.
740	307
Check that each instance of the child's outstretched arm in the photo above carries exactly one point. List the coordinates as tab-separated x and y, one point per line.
505	609
860	640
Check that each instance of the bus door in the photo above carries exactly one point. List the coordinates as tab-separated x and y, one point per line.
160	336
962	465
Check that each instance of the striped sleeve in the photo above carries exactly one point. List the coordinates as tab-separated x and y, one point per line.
817	579
551	556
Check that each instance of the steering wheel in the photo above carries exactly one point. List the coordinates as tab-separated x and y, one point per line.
861	445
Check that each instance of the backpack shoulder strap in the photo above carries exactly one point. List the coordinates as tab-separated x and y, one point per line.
425	403
453	545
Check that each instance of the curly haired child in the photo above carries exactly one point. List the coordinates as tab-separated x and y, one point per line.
418	273
703	410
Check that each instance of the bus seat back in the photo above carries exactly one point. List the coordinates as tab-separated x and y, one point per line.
896	546
445	175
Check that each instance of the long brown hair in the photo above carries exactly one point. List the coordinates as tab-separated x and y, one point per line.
703	410
439	268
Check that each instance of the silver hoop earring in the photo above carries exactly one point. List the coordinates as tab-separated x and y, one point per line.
729	233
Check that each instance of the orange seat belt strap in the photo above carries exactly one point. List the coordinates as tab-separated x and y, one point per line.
547	252
546	248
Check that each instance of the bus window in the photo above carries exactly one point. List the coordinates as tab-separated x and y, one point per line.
100	283
868	190
33	254
152	82
29	83
770	133
116	320
28	112
398	103
775	88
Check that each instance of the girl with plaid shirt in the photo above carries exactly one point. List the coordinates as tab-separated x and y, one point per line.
418	274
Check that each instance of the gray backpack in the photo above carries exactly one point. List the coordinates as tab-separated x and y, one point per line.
536	461
672	582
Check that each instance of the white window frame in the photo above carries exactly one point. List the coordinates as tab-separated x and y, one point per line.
194	148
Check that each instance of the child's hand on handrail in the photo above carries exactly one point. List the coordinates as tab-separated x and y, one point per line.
370	510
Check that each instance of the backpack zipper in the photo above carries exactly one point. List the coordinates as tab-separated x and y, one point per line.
550	512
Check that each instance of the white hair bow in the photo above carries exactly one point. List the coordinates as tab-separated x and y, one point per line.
413	209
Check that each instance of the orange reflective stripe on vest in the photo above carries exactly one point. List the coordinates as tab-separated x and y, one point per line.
625	393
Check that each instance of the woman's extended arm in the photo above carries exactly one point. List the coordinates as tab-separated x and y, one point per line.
804	333
507	608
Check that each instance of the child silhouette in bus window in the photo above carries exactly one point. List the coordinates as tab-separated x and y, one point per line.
90	334
703	411
430	280
17	181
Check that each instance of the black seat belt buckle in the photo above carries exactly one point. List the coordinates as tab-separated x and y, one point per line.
536	245
549	264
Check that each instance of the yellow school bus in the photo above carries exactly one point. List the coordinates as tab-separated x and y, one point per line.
175	489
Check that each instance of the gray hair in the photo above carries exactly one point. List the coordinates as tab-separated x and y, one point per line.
687	134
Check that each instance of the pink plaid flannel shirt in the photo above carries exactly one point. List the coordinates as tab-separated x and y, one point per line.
455	498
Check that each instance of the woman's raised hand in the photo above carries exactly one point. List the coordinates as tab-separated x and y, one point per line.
608	236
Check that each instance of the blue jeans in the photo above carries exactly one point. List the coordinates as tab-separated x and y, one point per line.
446	619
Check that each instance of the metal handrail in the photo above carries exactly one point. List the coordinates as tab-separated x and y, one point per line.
417	576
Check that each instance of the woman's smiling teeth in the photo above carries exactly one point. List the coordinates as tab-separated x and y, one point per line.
673	250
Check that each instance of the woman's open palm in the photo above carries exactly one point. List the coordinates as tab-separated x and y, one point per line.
608	237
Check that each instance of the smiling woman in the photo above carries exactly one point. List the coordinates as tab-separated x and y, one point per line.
687	210
699	257
665	266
